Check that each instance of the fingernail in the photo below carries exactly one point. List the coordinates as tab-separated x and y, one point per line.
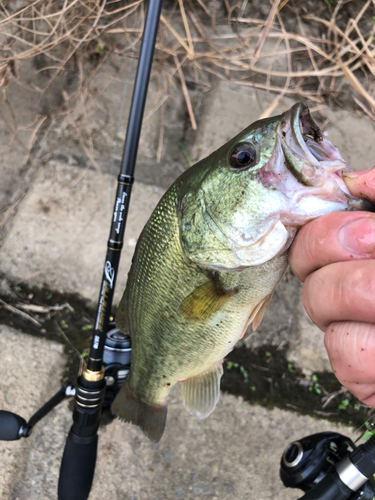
354	174
358	236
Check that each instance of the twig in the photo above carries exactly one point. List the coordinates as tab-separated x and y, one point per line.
67	340
187	29
262	368
161	135
266	29
354	82
325	413
10	210
364	109
292	407
175	34
45	310
186	94
334	395
24	315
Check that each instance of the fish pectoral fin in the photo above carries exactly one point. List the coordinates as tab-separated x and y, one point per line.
260	313
202	392
257	314
205	300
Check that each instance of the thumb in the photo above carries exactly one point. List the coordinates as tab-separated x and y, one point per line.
361	183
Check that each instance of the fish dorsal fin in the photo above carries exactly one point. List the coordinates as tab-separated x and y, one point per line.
260	312
205	300
202	392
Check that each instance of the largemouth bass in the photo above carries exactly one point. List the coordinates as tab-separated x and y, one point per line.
210	256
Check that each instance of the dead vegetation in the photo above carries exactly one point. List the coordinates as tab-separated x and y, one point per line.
321	51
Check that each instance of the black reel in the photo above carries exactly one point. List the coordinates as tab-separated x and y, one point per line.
324	458
116	362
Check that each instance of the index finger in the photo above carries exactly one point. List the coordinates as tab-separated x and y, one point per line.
361	183
338	236
335	237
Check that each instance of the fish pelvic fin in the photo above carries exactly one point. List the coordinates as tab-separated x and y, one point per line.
205	301
202	392
150	418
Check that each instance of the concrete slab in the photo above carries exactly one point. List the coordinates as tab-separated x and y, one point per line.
286	325
227	109
31	374
102	121
224	112
235	453
60	233
306	350
18	120
352	134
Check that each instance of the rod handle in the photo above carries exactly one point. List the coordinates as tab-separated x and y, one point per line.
77	467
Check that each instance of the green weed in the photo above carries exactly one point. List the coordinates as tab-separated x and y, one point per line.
230	365
86	328
344	404
314	385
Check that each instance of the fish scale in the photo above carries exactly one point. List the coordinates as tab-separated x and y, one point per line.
210	256
155	285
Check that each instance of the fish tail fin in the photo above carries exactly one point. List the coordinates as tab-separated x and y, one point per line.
150	418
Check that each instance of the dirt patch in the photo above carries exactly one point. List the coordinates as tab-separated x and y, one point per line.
67	319
264	376
261	376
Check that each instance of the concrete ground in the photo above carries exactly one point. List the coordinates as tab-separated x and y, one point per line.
56	232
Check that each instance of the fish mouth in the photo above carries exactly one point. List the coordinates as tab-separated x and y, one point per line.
311	158
309	137
309	155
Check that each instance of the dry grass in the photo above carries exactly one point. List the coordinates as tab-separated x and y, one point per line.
283	49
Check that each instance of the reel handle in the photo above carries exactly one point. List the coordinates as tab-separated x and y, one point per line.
12	426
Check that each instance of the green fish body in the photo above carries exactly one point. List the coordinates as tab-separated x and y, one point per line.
211	255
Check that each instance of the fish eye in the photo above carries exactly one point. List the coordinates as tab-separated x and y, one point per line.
243	157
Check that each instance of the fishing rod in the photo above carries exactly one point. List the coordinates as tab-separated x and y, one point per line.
78	462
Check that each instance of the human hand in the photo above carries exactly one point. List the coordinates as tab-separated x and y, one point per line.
335	257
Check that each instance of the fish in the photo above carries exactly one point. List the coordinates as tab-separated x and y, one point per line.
211	255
